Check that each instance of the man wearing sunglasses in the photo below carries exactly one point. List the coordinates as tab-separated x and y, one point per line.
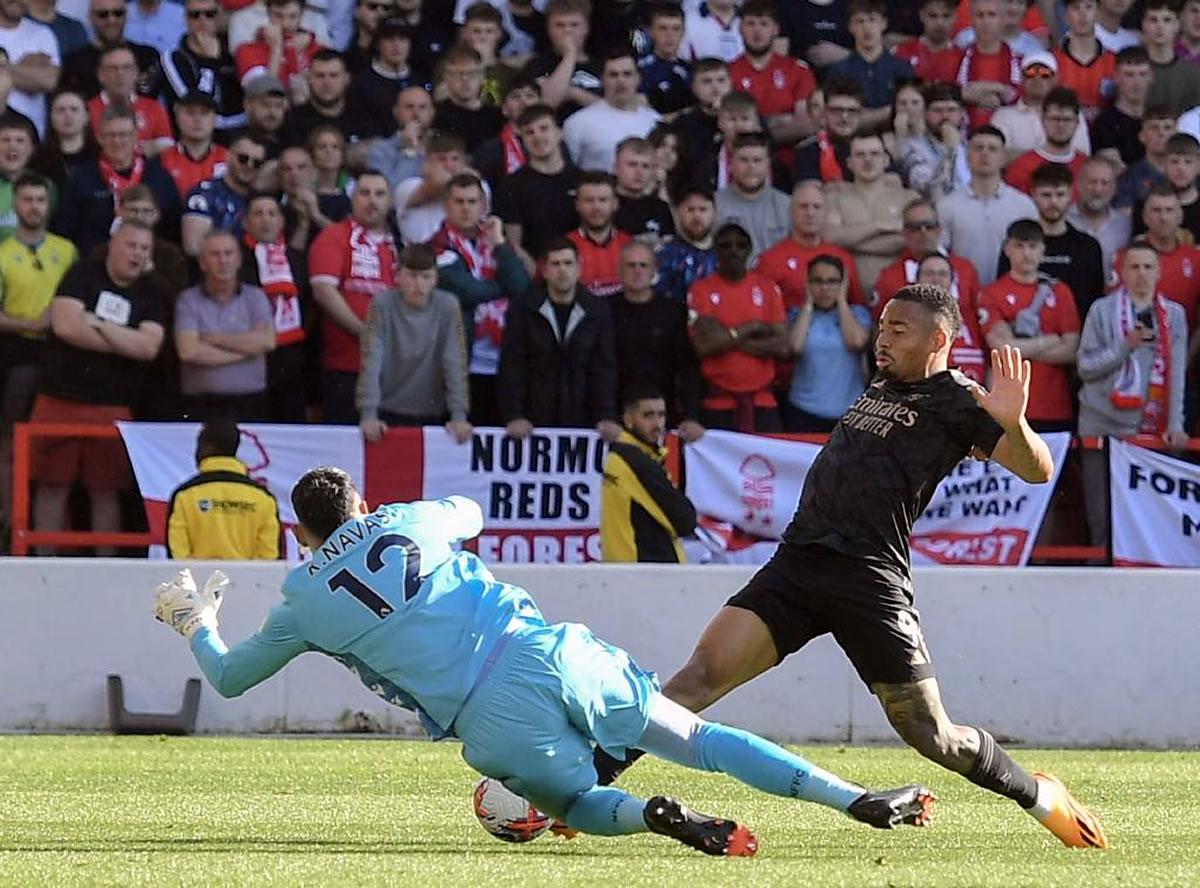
108	19
220	202
1021	123
201	63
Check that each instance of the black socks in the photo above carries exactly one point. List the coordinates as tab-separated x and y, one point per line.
994	769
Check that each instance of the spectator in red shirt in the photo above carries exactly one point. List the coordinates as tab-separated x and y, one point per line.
1083	64
779	83
1037	314
933	55
283	49
118	73
195	157
597	239
738	328
786	263
989	72
1178	258
349	264
1060	118
922	234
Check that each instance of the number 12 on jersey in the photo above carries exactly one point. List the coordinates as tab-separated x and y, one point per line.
345	581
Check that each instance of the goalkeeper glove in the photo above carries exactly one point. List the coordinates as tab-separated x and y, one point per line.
185	608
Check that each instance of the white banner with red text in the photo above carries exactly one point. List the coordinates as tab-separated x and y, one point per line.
748	486
1155	508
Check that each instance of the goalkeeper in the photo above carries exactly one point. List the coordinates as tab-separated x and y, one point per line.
430	629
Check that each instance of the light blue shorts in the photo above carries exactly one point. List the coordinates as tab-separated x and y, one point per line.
553	692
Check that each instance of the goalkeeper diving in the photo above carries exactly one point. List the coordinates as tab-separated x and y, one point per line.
430	629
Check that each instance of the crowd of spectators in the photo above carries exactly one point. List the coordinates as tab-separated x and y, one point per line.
517	212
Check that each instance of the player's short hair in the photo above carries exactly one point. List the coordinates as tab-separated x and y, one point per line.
218	437
418	257
691	191
639	391
1052	175
557	244
1159	5
942	92
664	10
464	180
1158	112
938	302
845	87
634	144
323	500
616	53
462	54
370	173
596	177
1026	231
1061	97
521	81
751	140
987	130
918	202
830	260
441	141
1184	144
534	113
933	257
869	7
949	4
30	179
707	65
1133	55
1139	244
568	7
760	9
139	193
483	11
117	112
1161	189
737	101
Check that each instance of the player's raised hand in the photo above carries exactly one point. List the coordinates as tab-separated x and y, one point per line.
1009	395
184	608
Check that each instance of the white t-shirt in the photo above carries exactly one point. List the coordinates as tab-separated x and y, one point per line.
592	134
704	36
1189	122
27	38
419	224
1115	41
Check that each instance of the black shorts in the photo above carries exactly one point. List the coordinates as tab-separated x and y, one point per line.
806	591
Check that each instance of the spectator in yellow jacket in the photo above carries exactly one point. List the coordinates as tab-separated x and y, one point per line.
642	512
221	513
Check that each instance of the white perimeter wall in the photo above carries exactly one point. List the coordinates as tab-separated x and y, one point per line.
1041	656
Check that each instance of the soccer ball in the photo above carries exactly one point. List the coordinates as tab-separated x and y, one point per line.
505	814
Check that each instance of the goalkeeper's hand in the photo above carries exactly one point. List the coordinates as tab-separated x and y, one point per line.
185	608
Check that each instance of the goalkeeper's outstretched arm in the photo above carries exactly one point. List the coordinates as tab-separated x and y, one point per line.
233	671
192	613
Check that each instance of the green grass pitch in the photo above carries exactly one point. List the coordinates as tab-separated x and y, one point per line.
297	812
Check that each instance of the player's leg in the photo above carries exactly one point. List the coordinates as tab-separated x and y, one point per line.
684	738
754	630
915	710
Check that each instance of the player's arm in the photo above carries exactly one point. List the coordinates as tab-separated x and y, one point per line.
1020	449
232	671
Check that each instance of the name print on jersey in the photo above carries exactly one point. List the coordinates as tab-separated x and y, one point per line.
351	535
879	417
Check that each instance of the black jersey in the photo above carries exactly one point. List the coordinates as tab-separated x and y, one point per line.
883	464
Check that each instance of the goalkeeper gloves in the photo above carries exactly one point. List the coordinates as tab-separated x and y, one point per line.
185	608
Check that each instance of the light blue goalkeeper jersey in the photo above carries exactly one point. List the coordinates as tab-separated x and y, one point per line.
388	597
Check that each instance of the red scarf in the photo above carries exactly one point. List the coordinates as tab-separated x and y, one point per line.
275	278
1127	392
514	152
831	170
116	183
476	253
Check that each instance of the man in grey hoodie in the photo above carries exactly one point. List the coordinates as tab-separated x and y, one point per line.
414	359
1133	357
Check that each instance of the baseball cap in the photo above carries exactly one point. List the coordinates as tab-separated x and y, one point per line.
264	85
196	97
1045	59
